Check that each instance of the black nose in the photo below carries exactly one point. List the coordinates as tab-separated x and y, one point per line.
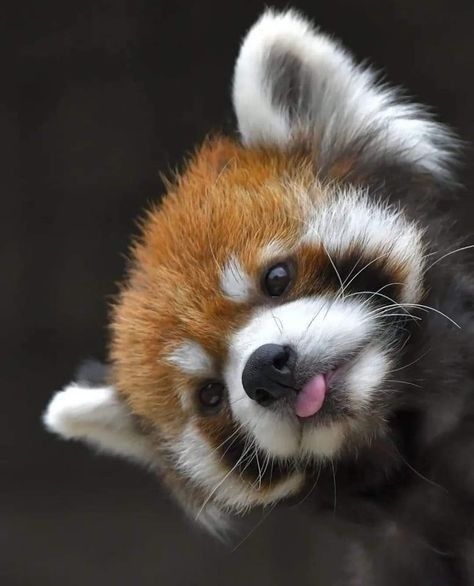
268	374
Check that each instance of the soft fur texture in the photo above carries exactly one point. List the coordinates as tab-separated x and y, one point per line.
91	411
290	79
343	183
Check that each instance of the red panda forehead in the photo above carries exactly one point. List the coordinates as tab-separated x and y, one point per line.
231	212
229	200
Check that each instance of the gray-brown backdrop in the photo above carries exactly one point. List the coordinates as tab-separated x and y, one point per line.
96	98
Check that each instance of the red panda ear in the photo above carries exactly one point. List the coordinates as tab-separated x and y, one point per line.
292	82
97	416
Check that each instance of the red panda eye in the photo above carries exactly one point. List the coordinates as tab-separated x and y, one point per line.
211	394
277	279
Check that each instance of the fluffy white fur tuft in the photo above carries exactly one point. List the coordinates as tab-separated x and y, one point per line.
98	417
191	358
203	466
323	441
235	282
350	219
291	80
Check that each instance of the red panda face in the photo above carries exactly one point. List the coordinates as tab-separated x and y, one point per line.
261	320
270	293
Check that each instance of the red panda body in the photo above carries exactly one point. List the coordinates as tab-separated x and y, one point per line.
281	291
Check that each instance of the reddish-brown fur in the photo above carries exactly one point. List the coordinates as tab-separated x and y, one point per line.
229	201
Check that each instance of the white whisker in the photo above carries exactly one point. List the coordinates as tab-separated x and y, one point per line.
334	483
346	285
429	308
447	254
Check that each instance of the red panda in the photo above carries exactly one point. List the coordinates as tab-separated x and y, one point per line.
281	289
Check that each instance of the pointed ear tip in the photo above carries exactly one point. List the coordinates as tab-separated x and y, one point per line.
275	24
68	407
54	417
287	16
260	78
96	416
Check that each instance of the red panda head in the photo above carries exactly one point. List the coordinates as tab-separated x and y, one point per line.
267	295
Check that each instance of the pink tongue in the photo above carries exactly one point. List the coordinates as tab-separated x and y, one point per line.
311	397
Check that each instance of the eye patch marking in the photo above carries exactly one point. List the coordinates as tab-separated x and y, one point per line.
351	221
235	283
191	358
361	274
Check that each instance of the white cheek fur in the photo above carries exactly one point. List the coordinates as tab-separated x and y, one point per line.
201	464
274	435
323	442
311	326
366	373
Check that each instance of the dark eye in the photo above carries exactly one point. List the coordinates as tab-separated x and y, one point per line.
277	279
211	395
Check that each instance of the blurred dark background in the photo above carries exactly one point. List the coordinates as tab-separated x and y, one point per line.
97	98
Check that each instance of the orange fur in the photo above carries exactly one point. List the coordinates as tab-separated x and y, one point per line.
230	200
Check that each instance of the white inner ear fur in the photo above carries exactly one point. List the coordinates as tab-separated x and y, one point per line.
292	80
97	416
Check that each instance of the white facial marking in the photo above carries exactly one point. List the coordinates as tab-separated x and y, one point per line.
381	232
323	442
201	464
235	282
97	416
274	249
275	435
334	100
366	373
316	328
191	358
